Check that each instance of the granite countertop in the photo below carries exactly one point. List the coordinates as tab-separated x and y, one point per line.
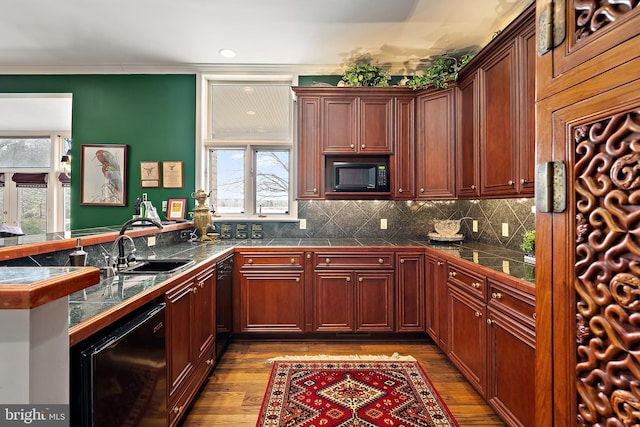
113	291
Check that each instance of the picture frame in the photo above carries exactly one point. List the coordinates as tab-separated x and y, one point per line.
176	209
103	175
149	174
172	174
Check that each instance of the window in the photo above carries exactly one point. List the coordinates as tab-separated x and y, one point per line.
248	147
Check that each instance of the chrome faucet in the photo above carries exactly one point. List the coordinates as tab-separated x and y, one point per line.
122	259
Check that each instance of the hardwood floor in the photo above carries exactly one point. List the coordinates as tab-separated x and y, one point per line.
233	393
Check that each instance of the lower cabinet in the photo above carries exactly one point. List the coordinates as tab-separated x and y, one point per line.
271	292
190	323
410	291
436	300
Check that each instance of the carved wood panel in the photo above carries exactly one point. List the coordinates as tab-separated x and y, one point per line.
607	179
593	15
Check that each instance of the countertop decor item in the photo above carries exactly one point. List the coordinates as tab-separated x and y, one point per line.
335	391
443	69
366	75
202	215
528	246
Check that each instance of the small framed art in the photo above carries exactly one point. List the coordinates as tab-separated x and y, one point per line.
103	177
149	174
172	174
175	209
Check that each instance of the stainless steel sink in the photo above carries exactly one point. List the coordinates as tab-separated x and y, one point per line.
156	266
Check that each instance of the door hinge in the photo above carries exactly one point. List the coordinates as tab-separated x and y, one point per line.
551	187
551	26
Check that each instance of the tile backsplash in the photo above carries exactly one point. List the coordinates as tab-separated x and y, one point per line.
410	219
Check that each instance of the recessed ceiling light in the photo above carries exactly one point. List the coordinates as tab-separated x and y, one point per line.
227	53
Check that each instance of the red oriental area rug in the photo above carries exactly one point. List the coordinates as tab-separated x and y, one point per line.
362	392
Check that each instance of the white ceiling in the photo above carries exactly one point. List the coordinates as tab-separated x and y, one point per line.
321	36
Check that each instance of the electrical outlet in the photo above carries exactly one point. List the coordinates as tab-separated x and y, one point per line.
383	223
164	206
475	225
303	224
505	229
151	241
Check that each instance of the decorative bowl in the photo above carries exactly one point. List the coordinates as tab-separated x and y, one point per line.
447	227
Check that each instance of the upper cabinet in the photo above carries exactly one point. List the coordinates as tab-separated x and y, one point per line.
495	109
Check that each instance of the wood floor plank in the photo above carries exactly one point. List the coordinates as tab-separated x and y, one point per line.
233	394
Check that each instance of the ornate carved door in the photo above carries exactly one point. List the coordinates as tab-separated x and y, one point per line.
588	268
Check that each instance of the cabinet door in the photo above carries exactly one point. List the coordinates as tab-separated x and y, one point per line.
527	146
468	136
403	158
271	301
374	301
595	37
375	125
333	301
511	368
467	337
436	301
310	164
498	138
339	125
204	312
181	351
410	290
435	146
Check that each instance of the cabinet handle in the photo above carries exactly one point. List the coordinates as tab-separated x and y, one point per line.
452	274
293	260
402	261
359	279
496	295
380	261
475	285
439	263
478	314
490	322
510	182
194	289
348	279
315	190
523	181
177	409
362	146
201	284
327	260
534	316
308	256
422	190
209	362
297	279
352	146
250	261
473	186
399	190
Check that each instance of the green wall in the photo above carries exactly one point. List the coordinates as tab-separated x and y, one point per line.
154	115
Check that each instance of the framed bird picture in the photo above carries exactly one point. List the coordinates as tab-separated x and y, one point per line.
149	174
103	175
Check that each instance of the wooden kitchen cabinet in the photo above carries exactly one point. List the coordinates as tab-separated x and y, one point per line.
435	144
437	320
353	292
271	292
310	166
410	292
403	163
190	320
466	308
468	136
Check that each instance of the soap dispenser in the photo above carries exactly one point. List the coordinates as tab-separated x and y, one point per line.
78	257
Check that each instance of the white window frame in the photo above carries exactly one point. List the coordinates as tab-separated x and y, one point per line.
55	191
205	142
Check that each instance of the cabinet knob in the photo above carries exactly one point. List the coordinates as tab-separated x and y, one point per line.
422	190
178	409
473	186
293	260
380	261
362	146
475	285
510	182
327	260
478	314
315	190
399	190
534	316
209	362
496	295
523	181
452	274
250	261
439	263
348	279
308	256
201	284
352	146
194	289
359	279
298	279
490	322
402	261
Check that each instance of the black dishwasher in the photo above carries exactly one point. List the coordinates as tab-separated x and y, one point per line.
120	377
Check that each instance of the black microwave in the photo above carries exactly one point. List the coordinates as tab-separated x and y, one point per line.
356	176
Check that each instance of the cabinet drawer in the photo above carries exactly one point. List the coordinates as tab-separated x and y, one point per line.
352	261
262	260
467	280
512	301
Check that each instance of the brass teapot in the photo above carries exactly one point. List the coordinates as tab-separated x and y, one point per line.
202	214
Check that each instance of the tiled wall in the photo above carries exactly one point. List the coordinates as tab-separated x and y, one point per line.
410	219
